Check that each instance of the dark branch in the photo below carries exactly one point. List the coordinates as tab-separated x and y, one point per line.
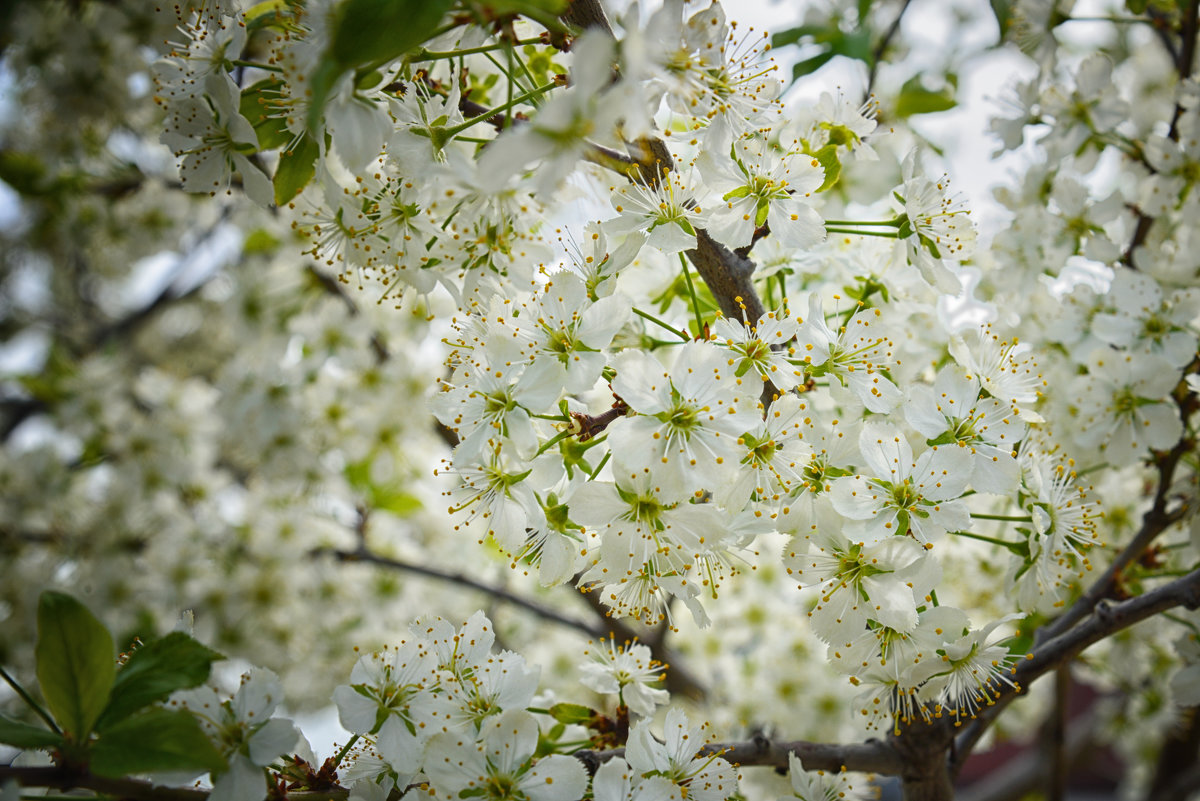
362	554
873	756
729	276
1156	520
881	47
1106	619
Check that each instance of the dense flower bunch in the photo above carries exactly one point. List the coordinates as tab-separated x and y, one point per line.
691	347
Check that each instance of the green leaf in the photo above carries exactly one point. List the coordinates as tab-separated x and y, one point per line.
174	662
573	713
856	45
23	735
944	438
155	740
828	157
916	99
367	31
272	132
296	168
794	35
761	210
810	65
371	32
75	662
1002	10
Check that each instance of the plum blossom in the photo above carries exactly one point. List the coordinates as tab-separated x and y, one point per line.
903	495
500	765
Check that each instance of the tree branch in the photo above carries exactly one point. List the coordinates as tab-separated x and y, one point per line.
363	554
677	679
877	53
1106	619
1030	771
1156	520
872	756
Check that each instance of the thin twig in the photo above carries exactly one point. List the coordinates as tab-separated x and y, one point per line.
362	554
877	54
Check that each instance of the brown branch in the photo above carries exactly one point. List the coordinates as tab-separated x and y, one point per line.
1183	787
877	53
1178	752
1055	748
1028	772
1156	520
677	678
729	276
872	756
362	554
1106	619
65	778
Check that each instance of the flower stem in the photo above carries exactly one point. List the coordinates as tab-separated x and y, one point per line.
237	62
435	55
659	322
337	760
557	438
27	698
600	466
1005	518
687	276
884	234
982	538
449	133
895	222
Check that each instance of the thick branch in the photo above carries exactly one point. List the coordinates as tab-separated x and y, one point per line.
63	778
1106	619
729	276
1156	520
1030	771
872	756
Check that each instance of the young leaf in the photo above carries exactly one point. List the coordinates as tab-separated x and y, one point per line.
810	65
75	662
916	99
155	740
23	735
174	662
272	132
828	157
572	713
371	32
296	168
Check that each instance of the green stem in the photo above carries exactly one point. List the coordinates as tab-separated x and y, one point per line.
557	438
687	276
659	322
435	55
1113	20
982	538
27	698
337	760
895	223
487	115
1005	518
237	62
600	466
884	234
